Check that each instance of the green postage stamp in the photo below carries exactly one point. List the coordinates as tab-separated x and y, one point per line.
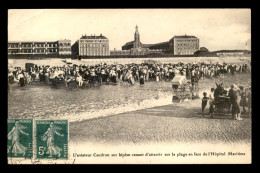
20	137
51	139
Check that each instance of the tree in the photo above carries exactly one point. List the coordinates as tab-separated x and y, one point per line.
204	49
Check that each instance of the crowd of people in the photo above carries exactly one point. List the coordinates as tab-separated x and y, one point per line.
128	73
131	73
239	99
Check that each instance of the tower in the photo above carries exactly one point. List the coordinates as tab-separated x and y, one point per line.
137	43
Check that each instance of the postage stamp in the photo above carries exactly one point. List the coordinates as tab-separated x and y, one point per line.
52	139
20	136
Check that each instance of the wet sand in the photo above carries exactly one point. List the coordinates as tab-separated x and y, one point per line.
171	124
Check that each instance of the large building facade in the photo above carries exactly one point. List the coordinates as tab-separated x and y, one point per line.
60	47
64	47
184	45
92	46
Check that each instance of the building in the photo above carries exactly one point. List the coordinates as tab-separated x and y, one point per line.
64	47
119	52
59	47
136	47
233	53
164	46
92	46
33	47
184	45
133	44
75	48
178	45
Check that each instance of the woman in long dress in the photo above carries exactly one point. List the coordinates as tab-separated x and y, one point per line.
157	76
14	135
243	99
49	137
20	78
233	93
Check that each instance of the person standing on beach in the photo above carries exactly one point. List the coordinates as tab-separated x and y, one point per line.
47	75
20	78
243	99
142	80
249	101
147	74
79	80
204	102
192	77
157	77
211	101
233	99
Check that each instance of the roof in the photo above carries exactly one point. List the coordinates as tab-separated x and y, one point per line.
32	41
156	44
219	51
64	40
184	36
147	45
93	37
129	43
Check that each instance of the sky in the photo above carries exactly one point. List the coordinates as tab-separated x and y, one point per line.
216	29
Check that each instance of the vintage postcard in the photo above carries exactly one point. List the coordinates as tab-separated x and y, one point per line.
129	86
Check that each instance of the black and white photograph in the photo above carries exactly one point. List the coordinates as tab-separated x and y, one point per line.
136	86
